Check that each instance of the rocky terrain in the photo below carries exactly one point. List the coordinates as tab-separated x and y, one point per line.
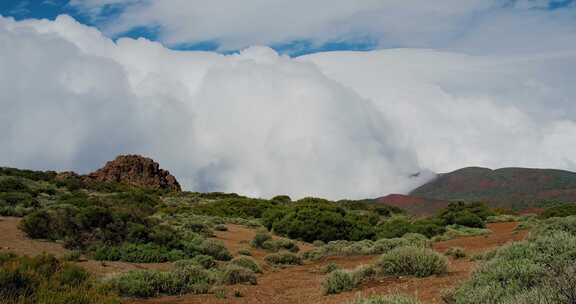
133	170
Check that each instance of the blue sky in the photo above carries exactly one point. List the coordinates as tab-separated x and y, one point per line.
50	9
356	40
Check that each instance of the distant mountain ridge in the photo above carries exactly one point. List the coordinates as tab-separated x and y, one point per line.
506	187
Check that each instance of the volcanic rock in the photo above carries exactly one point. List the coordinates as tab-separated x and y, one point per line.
136	170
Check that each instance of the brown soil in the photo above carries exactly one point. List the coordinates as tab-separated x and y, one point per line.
302	284
14	240
297	284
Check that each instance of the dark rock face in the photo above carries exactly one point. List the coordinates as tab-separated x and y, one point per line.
138	171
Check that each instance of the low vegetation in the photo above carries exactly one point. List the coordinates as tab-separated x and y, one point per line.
339	281
248	263
404	261
537	270
456	252
392	299
414	261
283	258
367	247
44	279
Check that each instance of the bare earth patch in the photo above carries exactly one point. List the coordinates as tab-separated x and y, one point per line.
14	240
297	284
302	284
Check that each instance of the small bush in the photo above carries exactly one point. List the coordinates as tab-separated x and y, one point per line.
45	279
248	263
280	244
233	274
394	299
283	258
13	184
221	227
73	256
456	252
559	211
260	239
339	281
215	249
204	261
151	283
330	267
318	243
245	252
420	262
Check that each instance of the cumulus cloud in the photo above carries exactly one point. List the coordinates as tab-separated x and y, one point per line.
255	123
470	26
336	125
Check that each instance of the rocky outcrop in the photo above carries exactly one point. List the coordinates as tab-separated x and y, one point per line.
137	171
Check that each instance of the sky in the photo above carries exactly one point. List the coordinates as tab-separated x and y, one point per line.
331	98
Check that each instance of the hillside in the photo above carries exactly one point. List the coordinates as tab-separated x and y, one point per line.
413	204
507	187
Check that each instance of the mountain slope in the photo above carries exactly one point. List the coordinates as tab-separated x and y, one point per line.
506	187
412	204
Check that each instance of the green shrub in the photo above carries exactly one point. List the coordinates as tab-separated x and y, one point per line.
245	252
367	247
73	256
456	252
221	227
204	261
457	231
248	263
420	262
330	267
215	249
394	299
44	279
313	219
318	243
537	270
339	281
137	253
283	258
233	274
152	283
469	219
559	211
13	184
260	238
280	244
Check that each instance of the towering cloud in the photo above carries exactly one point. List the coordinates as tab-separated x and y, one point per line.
254	123
336	125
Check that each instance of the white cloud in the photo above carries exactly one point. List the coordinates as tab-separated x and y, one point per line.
238	24
254	123
470	26
336	125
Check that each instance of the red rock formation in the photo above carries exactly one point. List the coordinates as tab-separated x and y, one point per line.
136	170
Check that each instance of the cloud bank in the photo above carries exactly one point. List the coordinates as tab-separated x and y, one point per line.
471	26
336	125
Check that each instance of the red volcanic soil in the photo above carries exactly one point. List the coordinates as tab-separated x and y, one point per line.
14	240
506	187
297	284
303	284
413	204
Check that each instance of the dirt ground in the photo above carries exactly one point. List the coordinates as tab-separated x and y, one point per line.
14	240
302	284
297	284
